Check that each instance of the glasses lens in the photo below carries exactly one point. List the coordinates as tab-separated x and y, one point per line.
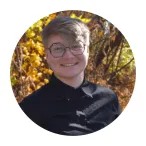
77	48
57	50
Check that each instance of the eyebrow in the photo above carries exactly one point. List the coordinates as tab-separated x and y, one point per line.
76	41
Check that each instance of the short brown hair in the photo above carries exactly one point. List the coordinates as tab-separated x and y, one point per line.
71	27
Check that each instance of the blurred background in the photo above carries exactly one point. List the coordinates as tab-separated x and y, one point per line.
111	61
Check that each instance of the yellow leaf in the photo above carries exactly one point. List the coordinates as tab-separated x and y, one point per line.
39	74
29	90
30	34
101	33
73	16
85	20
50	71
50	18
46	81
38	87
41	84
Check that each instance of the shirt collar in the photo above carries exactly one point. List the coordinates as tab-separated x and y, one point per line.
62	88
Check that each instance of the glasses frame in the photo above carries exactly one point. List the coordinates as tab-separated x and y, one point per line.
65	49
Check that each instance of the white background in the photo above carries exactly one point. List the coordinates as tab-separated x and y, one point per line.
15	18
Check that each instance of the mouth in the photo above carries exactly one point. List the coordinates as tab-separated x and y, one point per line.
69	64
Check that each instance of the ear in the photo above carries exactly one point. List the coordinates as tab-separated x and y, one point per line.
46	55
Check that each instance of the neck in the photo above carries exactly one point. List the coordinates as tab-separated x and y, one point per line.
73	81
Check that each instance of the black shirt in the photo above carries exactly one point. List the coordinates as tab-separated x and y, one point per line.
62	109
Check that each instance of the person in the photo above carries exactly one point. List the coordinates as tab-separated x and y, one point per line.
69	104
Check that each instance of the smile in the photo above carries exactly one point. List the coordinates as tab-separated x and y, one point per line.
68	65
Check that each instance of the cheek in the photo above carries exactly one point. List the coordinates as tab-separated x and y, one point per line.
53	63
50	60
84	61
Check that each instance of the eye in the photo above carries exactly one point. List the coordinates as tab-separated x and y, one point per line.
76	46
57	49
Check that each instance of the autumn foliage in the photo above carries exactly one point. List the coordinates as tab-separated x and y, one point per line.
111	62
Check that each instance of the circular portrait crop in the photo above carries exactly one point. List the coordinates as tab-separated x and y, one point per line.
72	73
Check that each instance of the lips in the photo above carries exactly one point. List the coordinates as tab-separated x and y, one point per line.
68	64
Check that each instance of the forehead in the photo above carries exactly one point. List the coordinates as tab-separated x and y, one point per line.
66	40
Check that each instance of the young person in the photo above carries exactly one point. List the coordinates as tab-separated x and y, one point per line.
69	104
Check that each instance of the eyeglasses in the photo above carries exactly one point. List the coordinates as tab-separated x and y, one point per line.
58	50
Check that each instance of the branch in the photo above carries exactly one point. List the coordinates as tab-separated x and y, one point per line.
105	38
110	61
15	64
114	73
125	65
119	56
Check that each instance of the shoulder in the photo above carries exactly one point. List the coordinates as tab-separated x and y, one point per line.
36	97
106	97
101	91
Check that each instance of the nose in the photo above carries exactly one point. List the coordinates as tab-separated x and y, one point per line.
67	53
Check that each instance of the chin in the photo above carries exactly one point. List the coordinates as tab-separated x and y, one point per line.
69	75
72	75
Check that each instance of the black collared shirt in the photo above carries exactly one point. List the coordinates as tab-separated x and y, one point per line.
62	109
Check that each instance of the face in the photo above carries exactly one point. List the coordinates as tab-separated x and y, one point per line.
67	66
